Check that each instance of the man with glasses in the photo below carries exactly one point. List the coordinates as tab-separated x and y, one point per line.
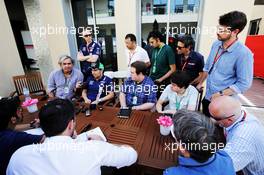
198	146
62	83
89	52
98	88
190	61
61	154
229	67
244	134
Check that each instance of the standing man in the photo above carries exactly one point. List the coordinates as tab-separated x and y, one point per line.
62	83
162	60
229	67
134	52
244	135
190	61
89	53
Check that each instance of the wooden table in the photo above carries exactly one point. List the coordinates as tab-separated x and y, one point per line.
140	131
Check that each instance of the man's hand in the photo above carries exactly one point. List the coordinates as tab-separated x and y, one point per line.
94	137
95	102
158	80
87	103
199	87
78	84
169	111
215	95
135	108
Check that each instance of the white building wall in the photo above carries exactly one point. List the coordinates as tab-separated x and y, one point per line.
210	13
10	60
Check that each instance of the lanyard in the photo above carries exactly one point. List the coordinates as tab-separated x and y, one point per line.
178	103
155	59
67	80
217	56
90	51
130	55
100	91
185	63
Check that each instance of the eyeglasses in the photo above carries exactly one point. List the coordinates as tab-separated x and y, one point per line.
220	119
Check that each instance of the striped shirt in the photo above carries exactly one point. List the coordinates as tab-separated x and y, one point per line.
245	145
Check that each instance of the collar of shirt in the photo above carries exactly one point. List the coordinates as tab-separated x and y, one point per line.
183	161
90	45
236	122
71	74
231	48
142	82
102	78
58	139
185	93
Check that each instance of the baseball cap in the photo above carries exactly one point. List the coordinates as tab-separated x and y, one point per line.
97	65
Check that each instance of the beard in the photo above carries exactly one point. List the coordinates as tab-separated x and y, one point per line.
223	39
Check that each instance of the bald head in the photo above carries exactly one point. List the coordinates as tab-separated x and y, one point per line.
224	106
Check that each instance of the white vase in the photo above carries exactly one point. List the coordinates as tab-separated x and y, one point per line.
32	108
165	130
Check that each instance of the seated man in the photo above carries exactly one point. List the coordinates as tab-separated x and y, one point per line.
61	154
179	94
198	146
98	87
62	83
11	140
244	134
138	90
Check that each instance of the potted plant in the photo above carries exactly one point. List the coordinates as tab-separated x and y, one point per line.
31	105
165	123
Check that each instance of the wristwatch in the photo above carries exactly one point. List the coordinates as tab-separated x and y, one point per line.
100	100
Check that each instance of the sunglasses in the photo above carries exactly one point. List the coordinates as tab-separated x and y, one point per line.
87	36
179	47
220	119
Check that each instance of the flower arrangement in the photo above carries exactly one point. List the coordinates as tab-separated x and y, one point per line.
31	105
29	102
165	121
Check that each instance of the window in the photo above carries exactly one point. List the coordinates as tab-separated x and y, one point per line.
104	22
259	2
254	27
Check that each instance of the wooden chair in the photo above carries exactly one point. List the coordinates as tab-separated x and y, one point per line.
32	81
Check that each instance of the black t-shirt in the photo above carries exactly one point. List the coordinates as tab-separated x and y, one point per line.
193	65
10	141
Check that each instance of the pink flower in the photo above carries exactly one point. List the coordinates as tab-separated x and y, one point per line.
29	102
165	121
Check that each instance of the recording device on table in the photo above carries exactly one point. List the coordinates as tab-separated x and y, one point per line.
124	112
86	128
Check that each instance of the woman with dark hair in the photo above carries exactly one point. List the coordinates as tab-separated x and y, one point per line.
179	94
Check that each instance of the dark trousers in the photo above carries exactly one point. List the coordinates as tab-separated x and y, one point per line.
206	103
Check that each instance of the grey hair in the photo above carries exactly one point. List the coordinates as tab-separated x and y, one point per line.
195	128
64	57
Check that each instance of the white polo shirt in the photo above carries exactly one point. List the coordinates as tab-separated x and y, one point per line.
139	54
64	155
187	101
